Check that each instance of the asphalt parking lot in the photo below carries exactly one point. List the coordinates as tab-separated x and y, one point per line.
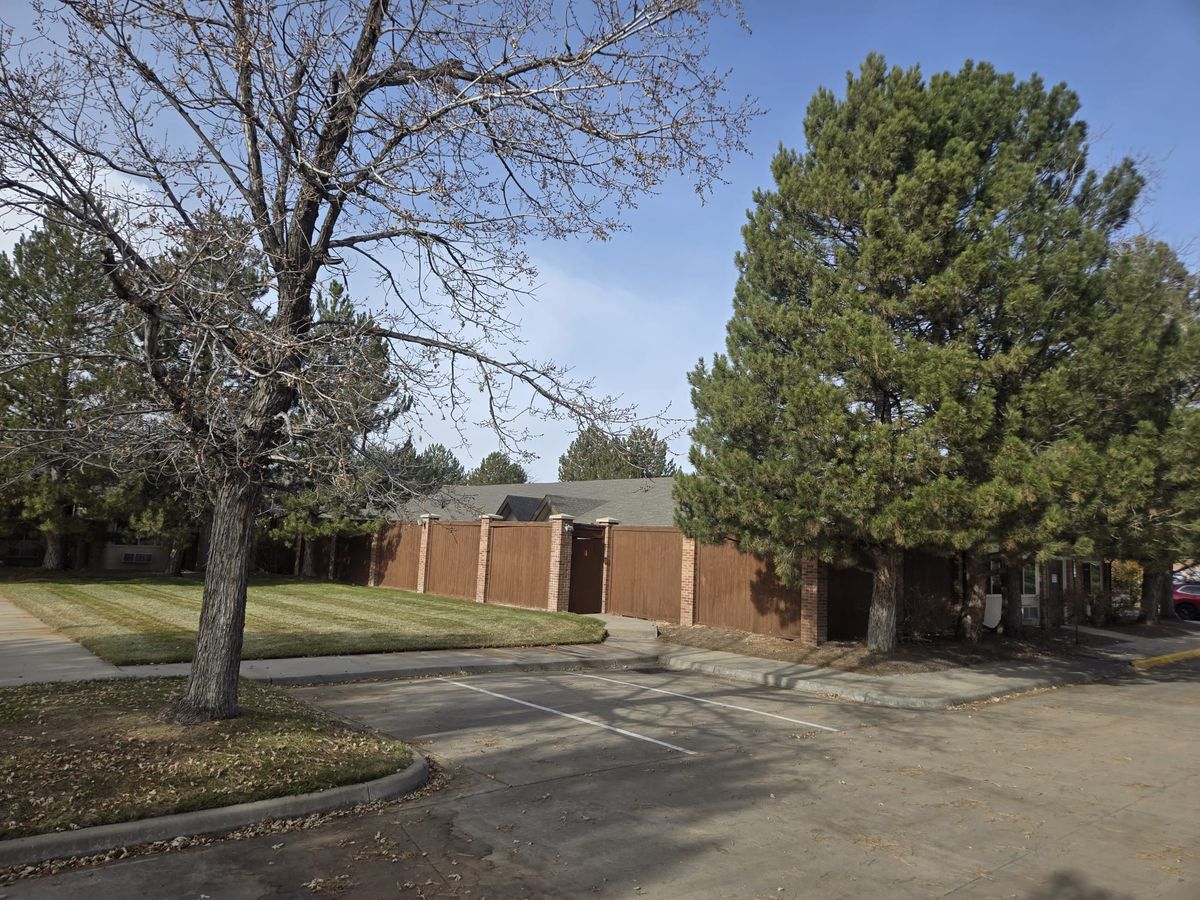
633	784
516	729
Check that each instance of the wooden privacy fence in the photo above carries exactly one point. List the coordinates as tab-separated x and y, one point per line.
644	572
453	558
399	552
519	570
740	590
648	572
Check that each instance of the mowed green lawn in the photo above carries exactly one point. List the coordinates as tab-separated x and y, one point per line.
129	620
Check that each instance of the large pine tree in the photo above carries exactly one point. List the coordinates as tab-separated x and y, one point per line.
595	455
913	272
63	353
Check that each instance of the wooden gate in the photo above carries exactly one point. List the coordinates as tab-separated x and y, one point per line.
453	563
740	590
519	572
644	572
587	569
399	553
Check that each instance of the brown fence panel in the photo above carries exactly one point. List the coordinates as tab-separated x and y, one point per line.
644	572
930	593
399	553
849	603
740	590
453	559
519	573
353	564
274	557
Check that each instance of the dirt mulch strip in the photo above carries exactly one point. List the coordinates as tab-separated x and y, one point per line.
913	656
76	754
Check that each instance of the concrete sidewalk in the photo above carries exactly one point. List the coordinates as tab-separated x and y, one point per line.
932	690
424	663
32	651
924	690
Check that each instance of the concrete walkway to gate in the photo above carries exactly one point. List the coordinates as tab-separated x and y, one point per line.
32	651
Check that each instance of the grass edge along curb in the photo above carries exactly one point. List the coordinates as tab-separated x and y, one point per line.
1149	662
100	838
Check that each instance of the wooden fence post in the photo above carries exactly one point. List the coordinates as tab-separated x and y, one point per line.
485	556
427	520
607	524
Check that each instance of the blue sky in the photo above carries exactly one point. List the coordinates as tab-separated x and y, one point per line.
638	311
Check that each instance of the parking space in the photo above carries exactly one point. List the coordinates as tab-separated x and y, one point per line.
531	726
561	785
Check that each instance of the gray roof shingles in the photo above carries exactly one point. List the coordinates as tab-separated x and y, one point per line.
631	501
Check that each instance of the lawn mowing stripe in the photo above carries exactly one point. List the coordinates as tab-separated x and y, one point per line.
121	614
307	607
149	606
417	611
125	626
465	629
191	597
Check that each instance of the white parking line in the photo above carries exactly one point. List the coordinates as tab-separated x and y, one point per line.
759	712
567	715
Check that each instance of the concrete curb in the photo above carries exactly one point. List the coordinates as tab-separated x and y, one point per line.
821	688
101	838
472	669
1149	662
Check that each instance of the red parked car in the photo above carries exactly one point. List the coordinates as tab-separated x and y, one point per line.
1187	600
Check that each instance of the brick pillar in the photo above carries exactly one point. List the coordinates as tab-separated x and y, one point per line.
485	557
687	583
606	569
373	565
558	597
427	521
814	602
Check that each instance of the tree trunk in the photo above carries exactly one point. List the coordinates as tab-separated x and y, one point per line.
212	687
174	564
885	600
1102	603
332	556
1166	595
975	598
54	559
1014	625
296	552
1152	590
308	566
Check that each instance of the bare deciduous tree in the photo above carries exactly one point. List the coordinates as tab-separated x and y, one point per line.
423	141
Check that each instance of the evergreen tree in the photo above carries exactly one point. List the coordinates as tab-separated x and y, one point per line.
497	468
1126	466
63	354
912	274
595	455
438	467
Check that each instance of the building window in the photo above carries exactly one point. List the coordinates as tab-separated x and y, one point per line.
1029	579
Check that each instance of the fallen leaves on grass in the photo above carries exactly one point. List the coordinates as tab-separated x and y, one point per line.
87	753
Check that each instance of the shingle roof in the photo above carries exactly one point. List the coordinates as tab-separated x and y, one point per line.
631	501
